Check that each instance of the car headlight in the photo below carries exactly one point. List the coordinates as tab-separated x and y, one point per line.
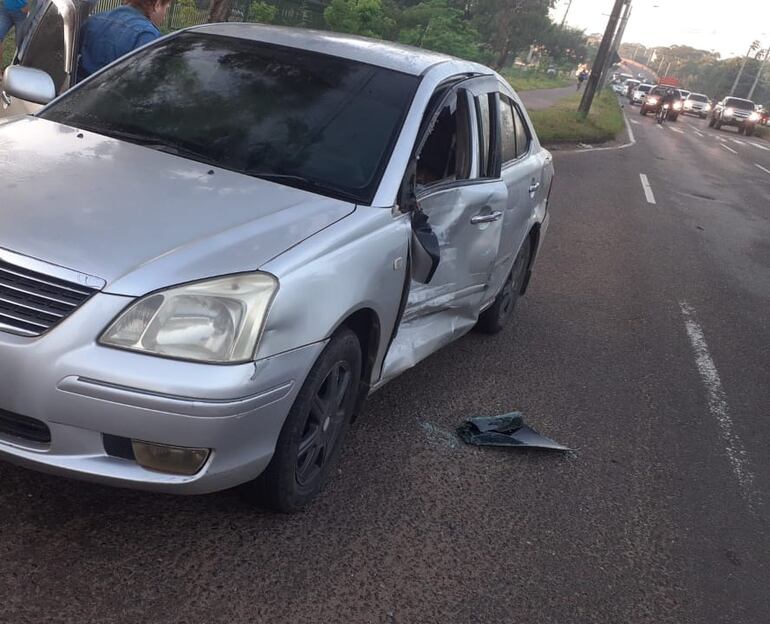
677	106
688	104
754	117
729	111
707	107
652	100
218	320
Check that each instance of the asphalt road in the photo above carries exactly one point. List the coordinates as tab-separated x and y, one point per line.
643	343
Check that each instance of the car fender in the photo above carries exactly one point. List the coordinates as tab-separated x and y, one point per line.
357	263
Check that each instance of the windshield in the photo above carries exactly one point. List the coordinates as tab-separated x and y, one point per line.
741	104
301	118
697	98
644	88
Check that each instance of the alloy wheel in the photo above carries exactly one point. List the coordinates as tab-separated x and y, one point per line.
325	420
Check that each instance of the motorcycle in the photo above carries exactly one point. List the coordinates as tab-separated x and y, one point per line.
662	113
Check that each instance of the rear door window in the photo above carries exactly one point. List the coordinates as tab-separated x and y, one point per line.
507	129
523	136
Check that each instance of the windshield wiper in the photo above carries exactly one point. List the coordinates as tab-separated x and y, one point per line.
152	142
284	177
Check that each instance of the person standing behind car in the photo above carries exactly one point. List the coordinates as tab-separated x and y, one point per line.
108	36
13	14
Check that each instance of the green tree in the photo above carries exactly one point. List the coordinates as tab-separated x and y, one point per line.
262	12
435	25
358	17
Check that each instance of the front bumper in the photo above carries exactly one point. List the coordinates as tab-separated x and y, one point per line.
82	391
738	122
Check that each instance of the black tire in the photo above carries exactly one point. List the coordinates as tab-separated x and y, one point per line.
717	124
674	117
741	130
643	111
711	122
496	317
319	419
749	131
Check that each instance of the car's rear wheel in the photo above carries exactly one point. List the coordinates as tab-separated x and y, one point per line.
496	317
315	429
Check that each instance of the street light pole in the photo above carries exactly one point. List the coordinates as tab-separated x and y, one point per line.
754	45
759	73
601	59
564	19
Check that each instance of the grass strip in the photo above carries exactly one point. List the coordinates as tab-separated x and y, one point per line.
561	123
527	80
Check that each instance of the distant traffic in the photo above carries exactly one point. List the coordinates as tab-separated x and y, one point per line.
739	113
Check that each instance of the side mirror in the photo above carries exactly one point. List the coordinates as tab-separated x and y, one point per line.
27	83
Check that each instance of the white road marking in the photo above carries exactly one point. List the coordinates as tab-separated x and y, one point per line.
762	147
631	137
636	123
738	141
676	130
659	127
647	189
700	134
717	401
719	138
762	168
729	149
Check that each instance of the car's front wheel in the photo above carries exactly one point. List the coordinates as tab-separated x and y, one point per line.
496	317
315	428
749	131
711	122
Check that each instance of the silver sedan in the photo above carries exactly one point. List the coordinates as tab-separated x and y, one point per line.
213	250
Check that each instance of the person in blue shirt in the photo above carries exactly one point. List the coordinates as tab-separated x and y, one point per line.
13	14
108	36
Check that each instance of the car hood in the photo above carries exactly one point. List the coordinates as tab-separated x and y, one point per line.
138	218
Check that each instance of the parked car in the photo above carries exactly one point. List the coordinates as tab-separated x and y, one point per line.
736	112
640	93
696	104
244	258
654	101
684	94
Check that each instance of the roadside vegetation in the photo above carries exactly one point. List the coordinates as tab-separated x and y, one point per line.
527	80
562	123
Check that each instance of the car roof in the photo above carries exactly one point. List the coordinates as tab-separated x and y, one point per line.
398	57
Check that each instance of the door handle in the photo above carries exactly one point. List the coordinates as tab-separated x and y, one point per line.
534	186
486	218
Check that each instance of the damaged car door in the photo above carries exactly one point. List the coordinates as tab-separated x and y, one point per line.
459	189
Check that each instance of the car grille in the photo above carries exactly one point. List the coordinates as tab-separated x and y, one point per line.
18	426
31	302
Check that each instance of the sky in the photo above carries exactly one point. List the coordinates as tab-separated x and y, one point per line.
703	24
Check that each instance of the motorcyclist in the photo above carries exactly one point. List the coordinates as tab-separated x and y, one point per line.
669	97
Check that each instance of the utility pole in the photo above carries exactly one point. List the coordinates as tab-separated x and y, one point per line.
660	67
616	41
754	45
601	59
564	19
759	73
